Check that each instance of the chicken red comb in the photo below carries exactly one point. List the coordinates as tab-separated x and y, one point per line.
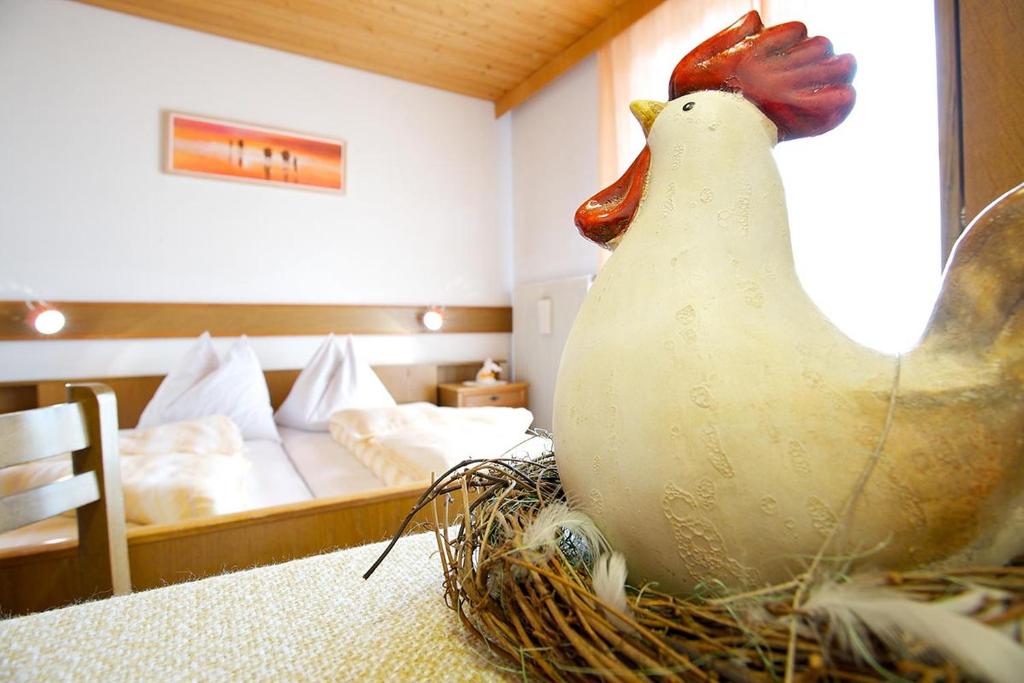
796	81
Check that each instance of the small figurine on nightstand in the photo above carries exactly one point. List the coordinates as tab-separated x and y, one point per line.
489	373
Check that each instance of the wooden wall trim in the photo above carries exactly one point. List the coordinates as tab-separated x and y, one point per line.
951	178
991	99
501	51
130	320
621	19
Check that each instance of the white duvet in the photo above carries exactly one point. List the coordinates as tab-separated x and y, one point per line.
414	442
169	473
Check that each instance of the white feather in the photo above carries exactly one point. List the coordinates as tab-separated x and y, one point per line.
610	585
545	531
854	607
980	602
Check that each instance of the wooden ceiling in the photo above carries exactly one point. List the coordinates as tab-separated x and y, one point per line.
498	50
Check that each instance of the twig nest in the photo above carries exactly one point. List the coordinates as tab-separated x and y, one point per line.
563	613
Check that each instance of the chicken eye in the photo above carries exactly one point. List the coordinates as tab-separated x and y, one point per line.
688	106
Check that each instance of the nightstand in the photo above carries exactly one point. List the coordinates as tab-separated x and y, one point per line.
513	395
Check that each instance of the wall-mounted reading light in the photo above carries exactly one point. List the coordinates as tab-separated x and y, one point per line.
46	319
433	318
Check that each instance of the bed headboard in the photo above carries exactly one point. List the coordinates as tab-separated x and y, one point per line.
407	383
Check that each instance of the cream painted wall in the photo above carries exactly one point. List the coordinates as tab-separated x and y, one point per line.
554	169
537	354
87	213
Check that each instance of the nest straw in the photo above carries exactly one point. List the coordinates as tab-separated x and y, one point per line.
539	610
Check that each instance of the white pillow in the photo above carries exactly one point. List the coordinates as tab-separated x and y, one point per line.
355	385
199	361
334	379
234	386
300	406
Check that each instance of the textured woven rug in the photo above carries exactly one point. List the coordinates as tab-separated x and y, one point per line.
313	619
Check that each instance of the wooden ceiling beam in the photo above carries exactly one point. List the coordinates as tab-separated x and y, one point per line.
403	34
463	75
437	68
519	23
502	50
621	19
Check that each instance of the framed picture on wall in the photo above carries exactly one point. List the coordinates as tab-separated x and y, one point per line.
214	148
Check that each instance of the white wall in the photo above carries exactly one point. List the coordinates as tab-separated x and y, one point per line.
554	169
28	360
536	355
86	212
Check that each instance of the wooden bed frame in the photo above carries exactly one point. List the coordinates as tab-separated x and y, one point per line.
34	578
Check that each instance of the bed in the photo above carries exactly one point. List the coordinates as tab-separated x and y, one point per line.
310	501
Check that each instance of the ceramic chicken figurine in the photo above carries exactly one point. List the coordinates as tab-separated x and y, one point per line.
713	421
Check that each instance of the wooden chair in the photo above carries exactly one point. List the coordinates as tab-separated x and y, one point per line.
86	426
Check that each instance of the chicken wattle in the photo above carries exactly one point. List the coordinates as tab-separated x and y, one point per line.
714	422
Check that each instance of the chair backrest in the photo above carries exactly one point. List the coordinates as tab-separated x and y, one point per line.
87	427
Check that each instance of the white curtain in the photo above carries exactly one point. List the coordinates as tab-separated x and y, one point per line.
864	198
636	65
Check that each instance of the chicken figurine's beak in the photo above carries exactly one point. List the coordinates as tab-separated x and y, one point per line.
646	111
605	217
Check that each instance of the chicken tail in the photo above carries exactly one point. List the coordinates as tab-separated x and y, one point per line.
982	297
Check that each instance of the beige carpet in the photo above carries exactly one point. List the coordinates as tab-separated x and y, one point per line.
314	619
